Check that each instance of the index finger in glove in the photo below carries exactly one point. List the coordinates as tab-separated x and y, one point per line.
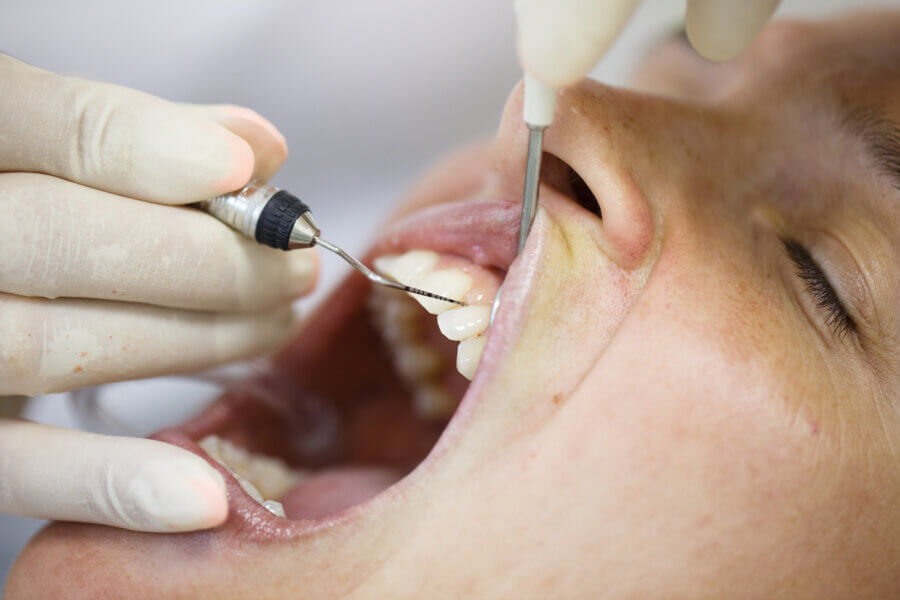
269	146
143	485
114	138
721	29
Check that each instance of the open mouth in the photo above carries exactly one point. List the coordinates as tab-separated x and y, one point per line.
380	383
362	398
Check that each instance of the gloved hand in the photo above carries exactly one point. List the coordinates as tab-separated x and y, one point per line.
559	41
103	277
721	29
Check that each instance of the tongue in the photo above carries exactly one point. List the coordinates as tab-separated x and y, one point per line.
332	490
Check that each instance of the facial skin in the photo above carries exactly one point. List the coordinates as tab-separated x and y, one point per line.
676	418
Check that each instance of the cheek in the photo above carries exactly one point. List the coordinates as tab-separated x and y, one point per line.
692	400
668	448
711	417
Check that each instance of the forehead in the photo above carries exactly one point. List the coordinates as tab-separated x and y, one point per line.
834	83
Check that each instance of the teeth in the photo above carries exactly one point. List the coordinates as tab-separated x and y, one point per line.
249	488
468	355
399	320
406	267
417	362
274	507
420	365
259	475
434	402
210	445
462	323
450	283
272	477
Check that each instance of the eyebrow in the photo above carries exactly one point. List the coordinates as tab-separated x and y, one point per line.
881	137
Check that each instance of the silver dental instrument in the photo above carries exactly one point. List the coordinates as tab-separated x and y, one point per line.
276	218
532	181
529	196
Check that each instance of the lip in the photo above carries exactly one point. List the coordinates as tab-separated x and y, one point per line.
483	231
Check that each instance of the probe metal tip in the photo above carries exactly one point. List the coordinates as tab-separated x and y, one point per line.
529	195
532	181
380	279
419	292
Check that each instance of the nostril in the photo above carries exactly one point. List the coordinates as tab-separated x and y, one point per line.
583	194
626	232
556	173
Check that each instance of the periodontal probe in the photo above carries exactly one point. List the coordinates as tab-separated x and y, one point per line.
558	42
538	109
274	217
539	106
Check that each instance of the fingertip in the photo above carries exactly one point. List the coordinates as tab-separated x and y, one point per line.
268	144
242	165
183	493
212	492
277	139
719	30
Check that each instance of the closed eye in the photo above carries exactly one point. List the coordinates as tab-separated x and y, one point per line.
817	284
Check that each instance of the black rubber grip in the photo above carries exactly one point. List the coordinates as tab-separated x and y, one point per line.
277	219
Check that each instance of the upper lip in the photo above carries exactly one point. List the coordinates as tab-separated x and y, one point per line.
483	231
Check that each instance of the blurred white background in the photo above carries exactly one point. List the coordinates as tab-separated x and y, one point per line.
367	93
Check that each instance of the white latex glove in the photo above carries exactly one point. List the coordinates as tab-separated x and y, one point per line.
144	485
560	41
102	279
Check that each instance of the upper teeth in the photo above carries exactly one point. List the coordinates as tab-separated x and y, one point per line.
468	355
464	324
449	283
407	266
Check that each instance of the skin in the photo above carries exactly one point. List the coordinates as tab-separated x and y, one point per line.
708	436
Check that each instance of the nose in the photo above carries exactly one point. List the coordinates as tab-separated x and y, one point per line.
615	141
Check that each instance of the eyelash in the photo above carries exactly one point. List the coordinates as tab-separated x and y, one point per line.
817	284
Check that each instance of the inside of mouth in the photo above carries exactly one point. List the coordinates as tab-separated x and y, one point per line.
362	397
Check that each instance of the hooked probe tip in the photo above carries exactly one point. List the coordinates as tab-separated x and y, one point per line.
375	277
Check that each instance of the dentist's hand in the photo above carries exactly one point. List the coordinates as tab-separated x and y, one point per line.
560	41
103	277
143	485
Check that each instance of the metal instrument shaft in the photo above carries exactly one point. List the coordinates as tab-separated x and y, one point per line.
274	217
380	279
532	181
529	196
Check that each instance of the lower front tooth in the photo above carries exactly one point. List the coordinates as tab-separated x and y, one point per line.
272	477
274	507
211	445
468	355
249	488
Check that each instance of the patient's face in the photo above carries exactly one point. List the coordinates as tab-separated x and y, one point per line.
690	388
